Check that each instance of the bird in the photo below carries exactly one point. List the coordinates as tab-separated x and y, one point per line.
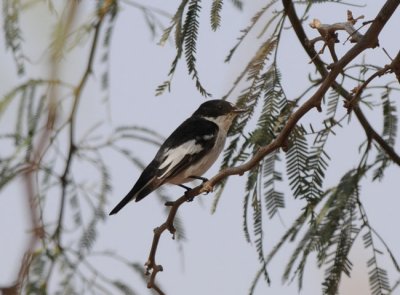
188	152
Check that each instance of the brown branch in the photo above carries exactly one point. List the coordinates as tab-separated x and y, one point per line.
349	104
33	164
395	66
328	30
71	120
330	36
36	225
151	266
101	13
383	15
368	40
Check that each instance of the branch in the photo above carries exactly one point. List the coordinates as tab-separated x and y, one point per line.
382	17
327	30
367	41
33	164
395	66
329	35
349	104
151	266
72	147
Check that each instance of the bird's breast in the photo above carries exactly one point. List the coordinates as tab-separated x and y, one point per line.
202	165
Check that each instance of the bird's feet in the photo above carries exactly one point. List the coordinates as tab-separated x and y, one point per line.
203	179
185	187
187	190
207	188
199	178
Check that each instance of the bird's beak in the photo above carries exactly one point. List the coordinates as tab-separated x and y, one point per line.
237	110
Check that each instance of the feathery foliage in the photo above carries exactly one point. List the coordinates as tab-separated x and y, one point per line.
13	34
73	163
58	163
378	278
186	33
215	16
389	132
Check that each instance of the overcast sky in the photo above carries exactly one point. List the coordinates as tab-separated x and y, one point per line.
215	258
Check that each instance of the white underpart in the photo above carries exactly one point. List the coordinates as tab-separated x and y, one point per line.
199	168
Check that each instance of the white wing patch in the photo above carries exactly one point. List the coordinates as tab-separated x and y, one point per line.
174	156
207	137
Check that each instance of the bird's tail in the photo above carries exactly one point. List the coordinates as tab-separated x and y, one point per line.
137	193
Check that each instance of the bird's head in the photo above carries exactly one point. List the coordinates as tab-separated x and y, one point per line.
219	111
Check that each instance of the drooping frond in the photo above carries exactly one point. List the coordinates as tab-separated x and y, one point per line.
185	41
176	22
274	199
272	117
338	211
296	161
12	31
378	277
251	193
332	104
190	34
331	233
238	4
249	99
290	234
316	166
389	119
266	87
340	262
258	227
246	31
215	16
389	133
106	49
340	225
89	236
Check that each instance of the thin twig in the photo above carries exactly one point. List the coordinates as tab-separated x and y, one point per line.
34	160
395	66
330	36
358	90
72	147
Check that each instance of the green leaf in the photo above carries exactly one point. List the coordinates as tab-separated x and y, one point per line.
215	17
190	34
296	161
12	32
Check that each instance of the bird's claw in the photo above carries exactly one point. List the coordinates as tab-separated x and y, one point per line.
199	178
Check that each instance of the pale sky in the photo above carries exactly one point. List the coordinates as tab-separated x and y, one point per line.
215	258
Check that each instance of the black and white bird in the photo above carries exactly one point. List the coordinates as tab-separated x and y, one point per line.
188	152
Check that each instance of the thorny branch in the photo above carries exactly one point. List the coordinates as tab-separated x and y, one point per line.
393	67
151	266
349	104
369	131
369	40
329	35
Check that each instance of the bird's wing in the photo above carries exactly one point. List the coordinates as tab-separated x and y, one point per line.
176	155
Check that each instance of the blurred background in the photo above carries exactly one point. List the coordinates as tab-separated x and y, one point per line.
213	256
